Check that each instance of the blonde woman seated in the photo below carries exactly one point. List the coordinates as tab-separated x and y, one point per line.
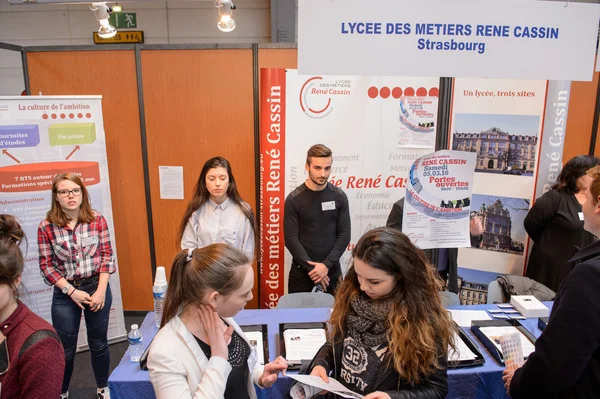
200	351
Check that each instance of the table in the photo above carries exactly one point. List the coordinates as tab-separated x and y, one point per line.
128	381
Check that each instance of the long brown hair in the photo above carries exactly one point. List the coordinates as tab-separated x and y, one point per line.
216	266
11	257
201	196
56	215
419	329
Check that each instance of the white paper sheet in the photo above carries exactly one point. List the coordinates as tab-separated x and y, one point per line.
462	351
256	340
301	344
512	351
464	317
332	386
171	182
494	334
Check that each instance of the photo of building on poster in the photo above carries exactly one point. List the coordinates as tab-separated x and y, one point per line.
502	219
505	144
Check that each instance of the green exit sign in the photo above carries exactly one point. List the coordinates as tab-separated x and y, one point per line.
123	20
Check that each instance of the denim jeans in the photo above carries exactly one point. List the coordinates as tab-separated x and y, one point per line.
66	318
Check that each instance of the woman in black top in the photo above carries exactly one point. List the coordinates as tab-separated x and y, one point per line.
555	224
239	352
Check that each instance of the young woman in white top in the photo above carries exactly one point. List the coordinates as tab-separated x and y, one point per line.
217	213
200	351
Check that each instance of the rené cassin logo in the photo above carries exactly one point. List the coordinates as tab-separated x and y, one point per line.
316	95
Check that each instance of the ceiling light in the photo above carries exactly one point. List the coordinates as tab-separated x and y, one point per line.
102	12
225	8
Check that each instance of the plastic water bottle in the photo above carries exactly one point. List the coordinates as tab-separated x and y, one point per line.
159	290
136	343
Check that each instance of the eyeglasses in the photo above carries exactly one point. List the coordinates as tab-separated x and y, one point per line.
65	193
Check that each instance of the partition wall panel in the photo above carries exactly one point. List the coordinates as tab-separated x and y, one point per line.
198	104
111	74
580	118
278	58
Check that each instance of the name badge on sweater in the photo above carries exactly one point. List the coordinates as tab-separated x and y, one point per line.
328	206
580	215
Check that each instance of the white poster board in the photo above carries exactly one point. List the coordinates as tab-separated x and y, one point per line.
504	130
376	128
438	200
459	38
41	136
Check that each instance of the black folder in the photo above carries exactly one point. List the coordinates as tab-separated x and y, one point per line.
478	361
297	326
262	328
496	354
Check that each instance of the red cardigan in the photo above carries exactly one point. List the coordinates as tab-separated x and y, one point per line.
38	373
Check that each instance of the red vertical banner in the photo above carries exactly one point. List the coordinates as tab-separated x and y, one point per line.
272	191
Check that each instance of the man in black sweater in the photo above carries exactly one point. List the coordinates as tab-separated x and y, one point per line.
316	226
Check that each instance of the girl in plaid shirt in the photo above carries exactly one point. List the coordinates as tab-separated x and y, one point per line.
76	257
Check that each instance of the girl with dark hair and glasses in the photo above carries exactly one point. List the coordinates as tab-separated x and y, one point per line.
76	256
555	223
217	213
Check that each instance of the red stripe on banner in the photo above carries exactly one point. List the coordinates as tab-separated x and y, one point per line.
272	192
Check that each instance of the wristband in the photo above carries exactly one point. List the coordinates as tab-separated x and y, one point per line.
74	289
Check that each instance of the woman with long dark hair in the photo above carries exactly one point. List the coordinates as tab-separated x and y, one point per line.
76	257
389	330
27	342
200	351
217	213
555	223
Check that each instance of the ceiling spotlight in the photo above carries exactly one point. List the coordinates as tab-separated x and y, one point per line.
102	12
225	8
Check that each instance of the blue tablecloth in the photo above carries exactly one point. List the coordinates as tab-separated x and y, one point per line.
128	381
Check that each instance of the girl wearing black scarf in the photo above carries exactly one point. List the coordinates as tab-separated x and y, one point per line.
389	331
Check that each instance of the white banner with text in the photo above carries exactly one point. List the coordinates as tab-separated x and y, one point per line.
41	137
461	38
438	200
504	129
376	128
